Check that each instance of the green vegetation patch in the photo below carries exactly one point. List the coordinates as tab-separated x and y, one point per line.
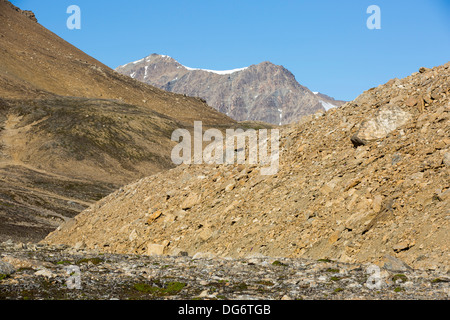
279	263
401	277
172	288
3	276
335	278
145	288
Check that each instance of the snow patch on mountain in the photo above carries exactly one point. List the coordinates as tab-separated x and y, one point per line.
139	61
217	71
327	105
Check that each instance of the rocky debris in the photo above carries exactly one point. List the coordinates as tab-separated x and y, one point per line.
262	92
60	272
388	197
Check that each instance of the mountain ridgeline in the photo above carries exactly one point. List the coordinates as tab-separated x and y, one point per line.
264	92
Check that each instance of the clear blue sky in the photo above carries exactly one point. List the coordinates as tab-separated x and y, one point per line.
324	43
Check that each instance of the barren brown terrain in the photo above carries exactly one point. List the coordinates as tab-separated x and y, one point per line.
73	130
361	183
87	182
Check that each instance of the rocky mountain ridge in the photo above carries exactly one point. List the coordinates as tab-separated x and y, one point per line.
27	13
263	92
366	182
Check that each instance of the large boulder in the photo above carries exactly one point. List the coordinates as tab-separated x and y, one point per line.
6	268
386	120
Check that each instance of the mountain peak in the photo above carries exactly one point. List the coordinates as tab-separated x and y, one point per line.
260	92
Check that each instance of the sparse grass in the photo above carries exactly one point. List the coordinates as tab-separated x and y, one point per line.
145	288
324	260
175	287
338	290
279	263
3	276
240	286
401	277
437	280
172	288
265	283
332	270
335	279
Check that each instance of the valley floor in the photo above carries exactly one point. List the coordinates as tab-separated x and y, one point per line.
37	271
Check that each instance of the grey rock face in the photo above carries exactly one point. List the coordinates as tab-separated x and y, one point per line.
6	268
263	92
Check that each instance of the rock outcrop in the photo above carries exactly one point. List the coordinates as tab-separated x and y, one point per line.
27	13
385	199
263	92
